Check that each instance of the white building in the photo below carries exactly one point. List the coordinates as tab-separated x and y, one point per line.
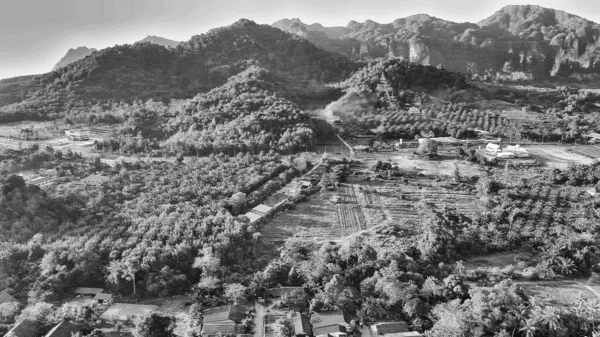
492	149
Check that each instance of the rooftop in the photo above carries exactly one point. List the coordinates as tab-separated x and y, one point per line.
262	208
88	291
301	324
326	318
328	329
223	328
103	297
252	216
6	297
234	313
280	291
62	329
25	328
390	327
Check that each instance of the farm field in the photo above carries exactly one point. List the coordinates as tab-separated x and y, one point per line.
13	129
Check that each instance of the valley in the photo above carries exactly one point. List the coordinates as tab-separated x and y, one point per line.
294	180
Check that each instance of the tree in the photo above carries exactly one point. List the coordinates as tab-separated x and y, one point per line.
551	317
455	172
235	292
155	325
255	237
529	328
8	311
427	148
133	266
565	265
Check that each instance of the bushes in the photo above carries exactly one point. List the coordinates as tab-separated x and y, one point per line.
8	312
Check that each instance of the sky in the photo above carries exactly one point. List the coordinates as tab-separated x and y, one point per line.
35	34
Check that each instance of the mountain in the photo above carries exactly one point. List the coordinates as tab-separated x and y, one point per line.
73	55
145	70
517	42
161	41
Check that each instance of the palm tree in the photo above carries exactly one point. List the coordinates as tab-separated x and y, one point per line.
529	328
566	265
551	317
520	313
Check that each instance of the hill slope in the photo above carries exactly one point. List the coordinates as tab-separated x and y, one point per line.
520	41
146	70
161	41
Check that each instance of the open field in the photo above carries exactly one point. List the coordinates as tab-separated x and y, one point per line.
556	292
13	129
559	156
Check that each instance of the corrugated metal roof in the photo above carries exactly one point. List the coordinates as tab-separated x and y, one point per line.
62	329
88	291
301	324
103	297
262	208
326	318
390	327
25	328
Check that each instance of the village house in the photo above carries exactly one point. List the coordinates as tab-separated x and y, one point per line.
301	325
42	181
62	329
335	323
223	320
492	149
6	297
385	328
280	291
92	180
25	328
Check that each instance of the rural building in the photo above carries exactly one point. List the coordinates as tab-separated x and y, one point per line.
362	148
62	329
505	155
330	322
492	149
277	200
593	192
113	160
25	328
517	150
385	328
42	181
224	314
103	297
262	210
92	180
280	291
593	137
6	297
87	291
222	328
123	311
253	217
404	334
301	325
77	135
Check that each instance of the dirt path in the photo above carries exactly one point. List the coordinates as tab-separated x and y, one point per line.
259	320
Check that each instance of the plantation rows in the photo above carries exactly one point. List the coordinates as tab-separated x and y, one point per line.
347	194
402	202
370	195
351	216
588	151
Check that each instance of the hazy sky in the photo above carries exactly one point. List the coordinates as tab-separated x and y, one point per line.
35	34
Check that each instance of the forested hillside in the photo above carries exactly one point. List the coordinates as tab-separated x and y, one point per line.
145	70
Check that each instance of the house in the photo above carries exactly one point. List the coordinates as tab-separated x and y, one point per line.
593	192
404	334
42	181
62	329
92	180
224	314
277	200
362	148
593	137
301	325
280	291
253	217
517	150
223	328
331	322
113	160
103	297
25	328
6	297
385	328
262	210
492	149
505	155
88	291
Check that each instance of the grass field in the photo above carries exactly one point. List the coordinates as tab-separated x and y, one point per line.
13	129
559	156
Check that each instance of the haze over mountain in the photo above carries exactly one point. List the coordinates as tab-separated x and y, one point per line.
81	52
74	55
520	42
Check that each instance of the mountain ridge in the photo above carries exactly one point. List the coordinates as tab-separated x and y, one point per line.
516	42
